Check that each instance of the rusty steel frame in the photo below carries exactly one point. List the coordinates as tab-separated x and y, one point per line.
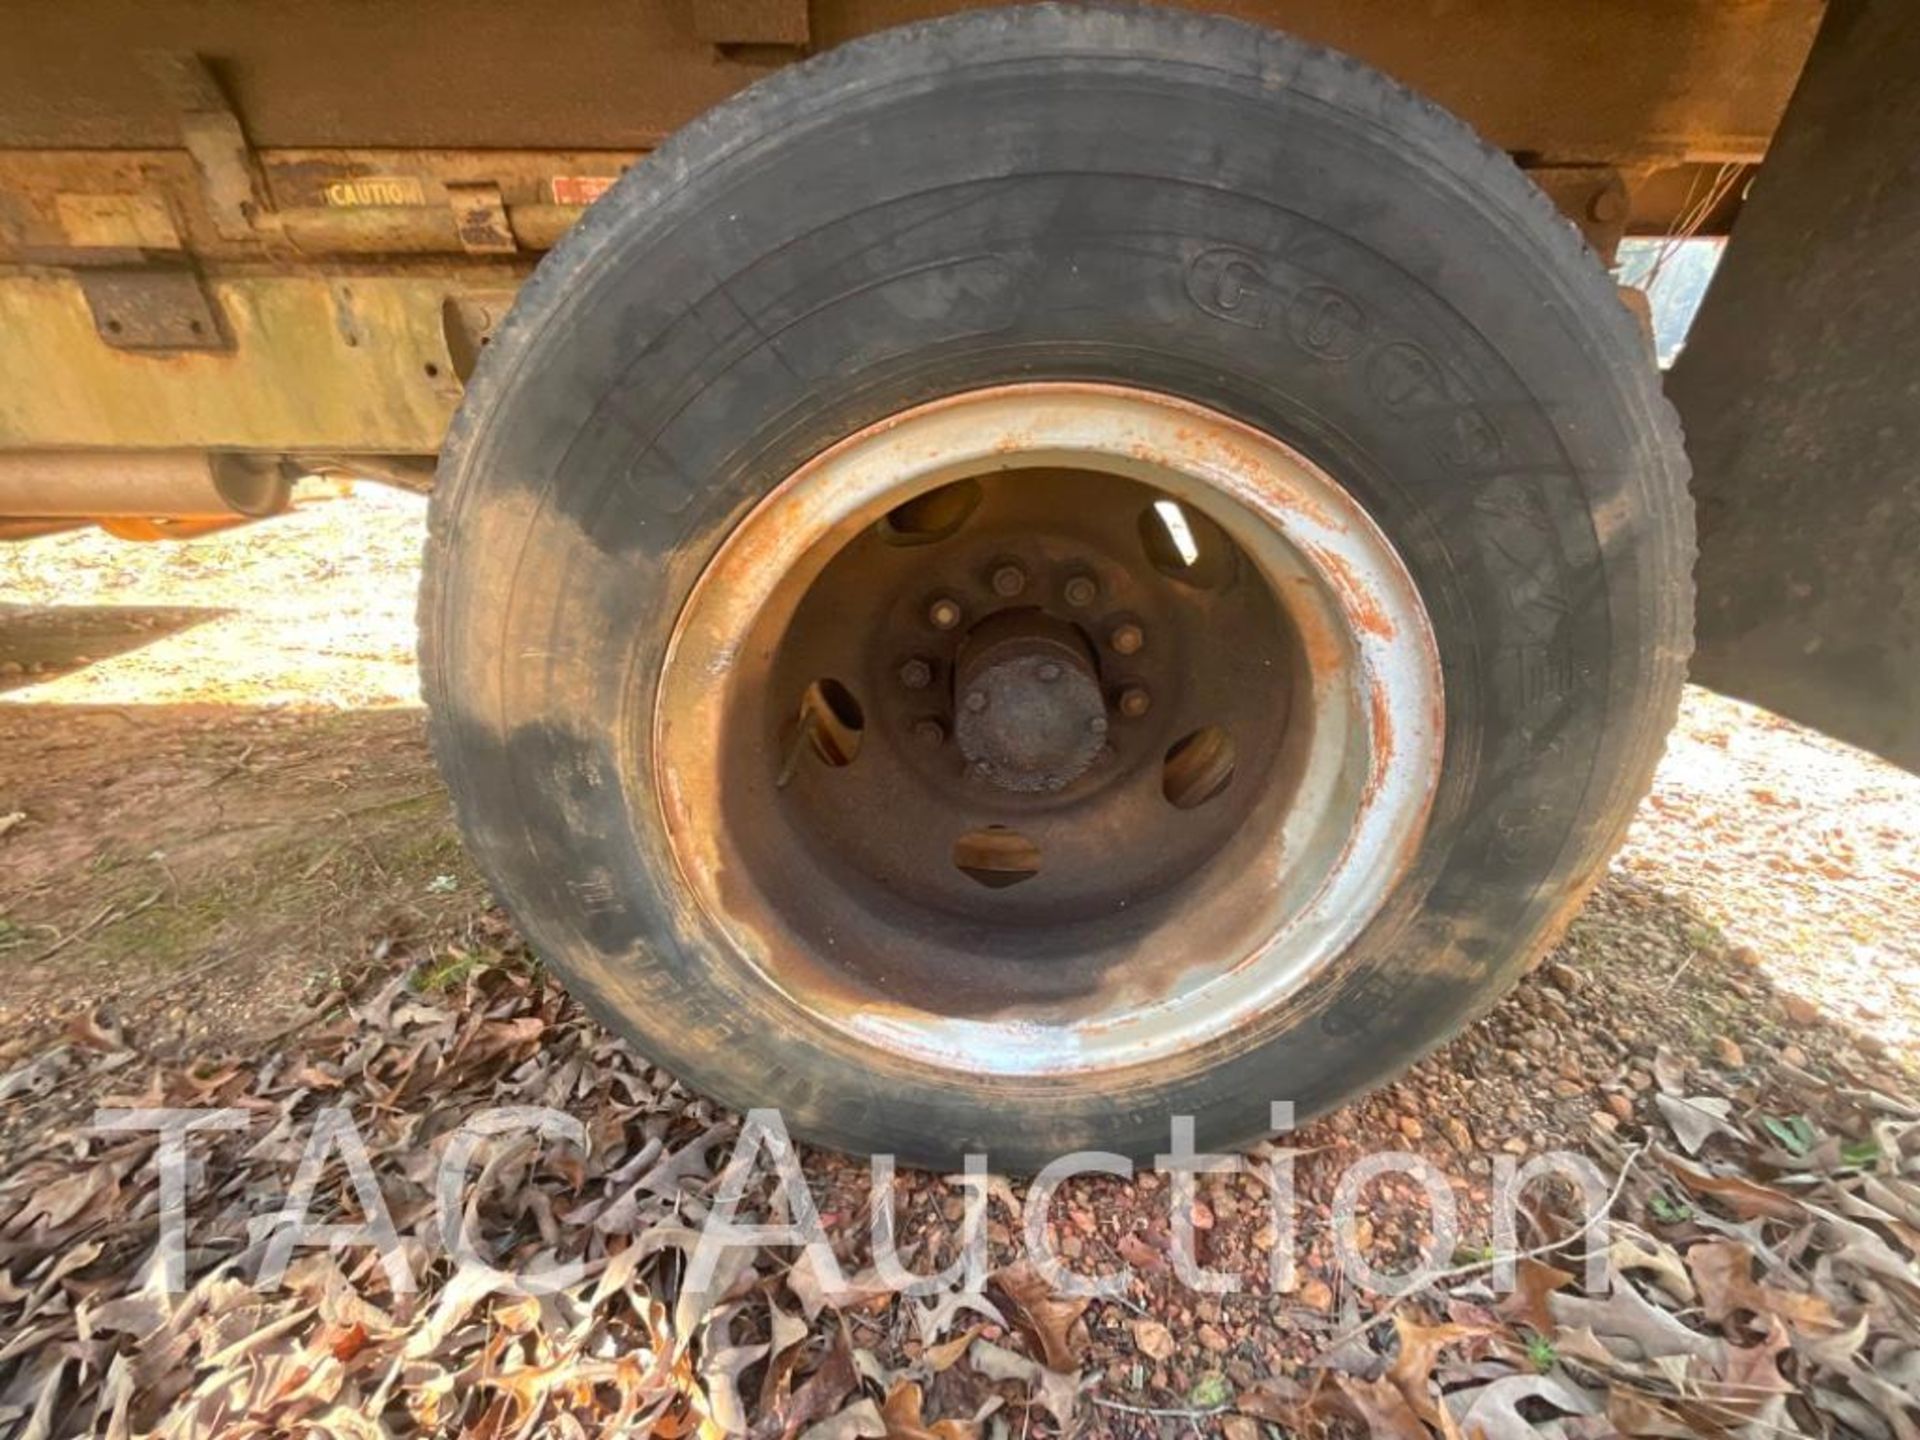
1275	907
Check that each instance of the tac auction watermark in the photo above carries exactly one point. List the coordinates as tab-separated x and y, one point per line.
763	1173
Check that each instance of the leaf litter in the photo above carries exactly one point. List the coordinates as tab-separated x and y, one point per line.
1772	1291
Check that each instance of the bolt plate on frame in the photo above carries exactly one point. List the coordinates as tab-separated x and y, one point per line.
151	309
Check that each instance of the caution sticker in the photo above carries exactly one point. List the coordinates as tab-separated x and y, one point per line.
375	190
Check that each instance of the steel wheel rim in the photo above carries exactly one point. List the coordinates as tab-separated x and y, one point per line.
1302	883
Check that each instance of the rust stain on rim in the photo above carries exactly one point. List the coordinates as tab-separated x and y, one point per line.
1367	783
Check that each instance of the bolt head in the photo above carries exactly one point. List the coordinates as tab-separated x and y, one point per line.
1098	725
1048	672
1008	580
976	700
943	614
1127	639
1080	591
929	732
916	674
1135	702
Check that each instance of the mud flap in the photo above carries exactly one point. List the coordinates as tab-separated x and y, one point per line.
1800	392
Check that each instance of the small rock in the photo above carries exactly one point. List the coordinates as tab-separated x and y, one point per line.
1728	1053
1411	1128
1564	977
1152	1339
1620	1106
1211	1337
1799	1010
1745	955
1793	1055
1316	1294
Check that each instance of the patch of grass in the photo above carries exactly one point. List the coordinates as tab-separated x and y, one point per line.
1541	1353
292	888
438	977
1667	1210
166	935
1212	1391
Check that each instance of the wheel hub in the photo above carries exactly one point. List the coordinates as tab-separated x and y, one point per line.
1029	715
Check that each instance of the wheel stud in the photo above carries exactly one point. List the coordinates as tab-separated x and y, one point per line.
1135	702
1008	580
944	614
1098	725
929	732
916	674
1127	639
1080	591
976	700
1049	672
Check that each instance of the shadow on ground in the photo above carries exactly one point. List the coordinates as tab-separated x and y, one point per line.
38	643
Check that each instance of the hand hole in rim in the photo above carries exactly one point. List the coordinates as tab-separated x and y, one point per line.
831	722
1199	765
996	857
931	517
1184	545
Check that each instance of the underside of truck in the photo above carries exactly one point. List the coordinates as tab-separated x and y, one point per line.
1107	560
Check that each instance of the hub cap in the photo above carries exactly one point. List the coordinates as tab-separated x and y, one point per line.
1048	729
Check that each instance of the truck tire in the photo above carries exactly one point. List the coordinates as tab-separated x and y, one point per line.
1052	569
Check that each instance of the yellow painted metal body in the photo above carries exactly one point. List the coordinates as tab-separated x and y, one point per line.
317	363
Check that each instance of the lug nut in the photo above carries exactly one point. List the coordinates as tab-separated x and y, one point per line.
1135	702
976	700
1080	591
916	674
943	614
1127	639
1049	672
1008	580
929	732
1098	725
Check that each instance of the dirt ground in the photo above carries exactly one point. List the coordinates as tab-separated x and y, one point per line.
222	843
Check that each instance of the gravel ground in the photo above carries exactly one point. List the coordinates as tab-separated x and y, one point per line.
229	872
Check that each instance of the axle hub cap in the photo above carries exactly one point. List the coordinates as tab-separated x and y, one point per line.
1031	716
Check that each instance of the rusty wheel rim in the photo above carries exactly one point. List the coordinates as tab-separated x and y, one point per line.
1048	729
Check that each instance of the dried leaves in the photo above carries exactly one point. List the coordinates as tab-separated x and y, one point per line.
344	1345
1766	1286
1764	1280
